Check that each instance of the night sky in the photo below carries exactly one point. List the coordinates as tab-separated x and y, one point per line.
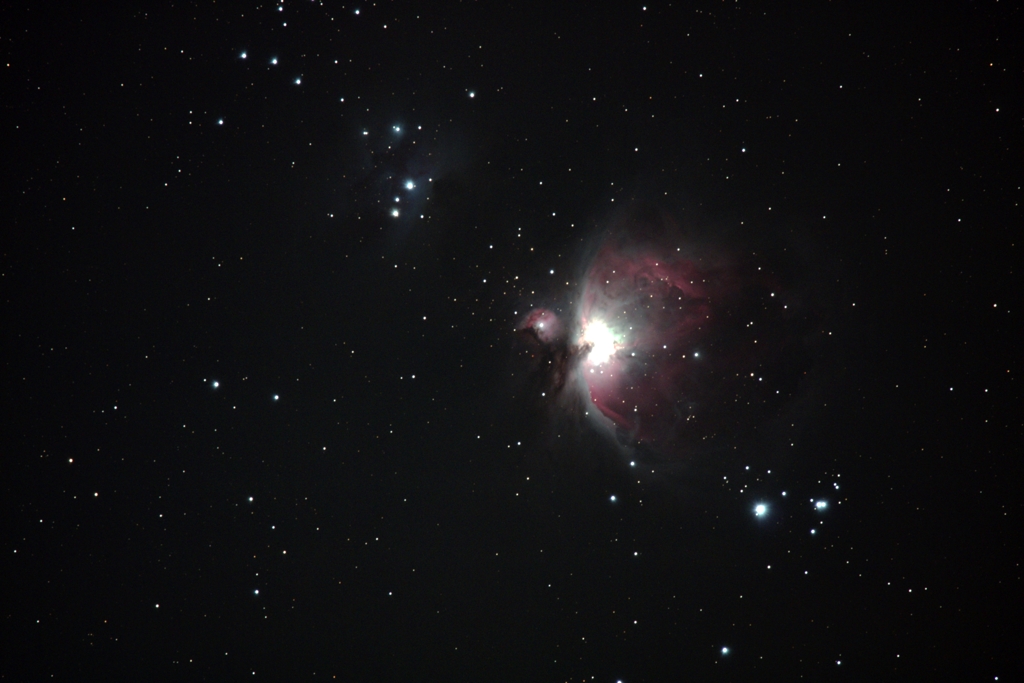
473	341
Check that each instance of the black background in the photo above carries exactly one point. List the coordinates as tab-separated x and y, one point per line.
439	527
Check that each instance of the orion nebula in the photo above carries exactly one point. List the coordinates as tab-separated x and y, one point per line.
640	320
671	345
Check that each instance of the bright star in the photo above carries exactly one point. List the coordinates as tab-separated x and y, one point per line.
394	213
409	185
820	505
760	509
214	384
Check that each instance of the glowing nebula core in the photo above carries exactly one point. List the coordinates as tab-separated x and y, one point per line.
674	345
599	342
641	317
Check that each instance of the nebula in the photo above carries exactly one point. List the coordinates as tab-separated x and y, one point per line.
670	345
641	318
544	324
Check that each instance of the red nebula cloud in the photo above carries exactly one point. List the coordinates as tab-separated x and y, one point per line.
657	308
544	323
